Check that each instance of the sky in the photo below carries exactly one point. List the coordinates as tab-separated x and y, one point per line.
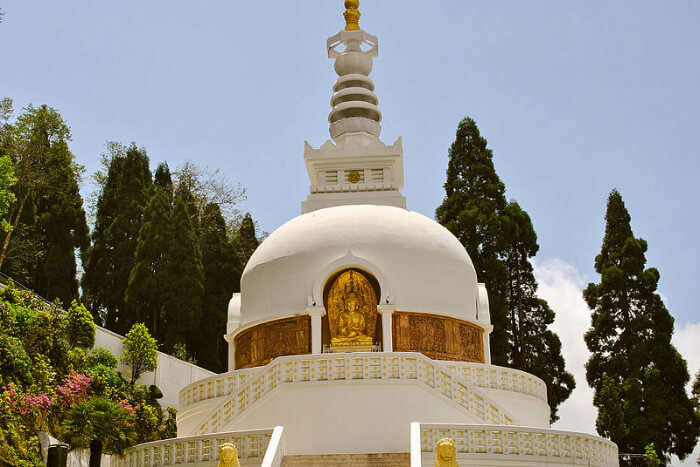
575	98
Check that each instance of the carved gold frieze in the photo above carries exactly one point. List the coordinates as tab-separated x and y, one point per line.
438	337
352	310
260	344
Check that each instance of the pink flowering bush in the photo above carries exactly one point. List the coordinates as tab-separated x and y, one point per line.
74	388
34	409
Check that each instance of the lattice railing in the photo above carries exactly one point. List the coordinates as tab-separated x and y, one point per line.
498	377
534	444
353	366
214	386
195	449
476	375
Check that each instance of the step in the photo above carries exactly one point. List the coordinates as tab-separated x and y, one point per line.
394	459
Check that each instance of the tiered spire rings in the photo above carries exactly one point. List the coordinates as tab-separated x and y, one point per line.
354	108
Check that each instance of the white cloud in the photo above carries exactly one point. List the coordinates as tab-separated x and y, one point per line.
562	286
686	338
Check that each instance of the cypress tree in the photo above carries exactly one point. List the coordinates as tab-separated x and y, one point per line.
474	198
146	294
109	261
532	346
63	225
500	240
183	305
163	179
48	216
637	375
244	240
222	275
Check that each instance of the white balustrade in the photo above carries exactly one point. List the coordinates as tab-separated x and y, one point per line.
497	377
295	369
476	375
253	445
516	443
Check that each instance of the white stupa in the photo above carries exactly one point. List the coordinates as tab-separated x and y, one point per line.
361	332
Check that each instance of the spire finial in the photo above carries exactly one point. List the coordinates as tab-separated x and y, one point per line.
352	15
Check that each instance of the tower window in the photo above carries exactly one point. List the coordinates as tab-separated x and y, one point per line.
331	177
376	175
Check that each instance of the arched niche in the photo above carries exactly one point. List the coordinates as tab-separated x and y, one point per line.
348	292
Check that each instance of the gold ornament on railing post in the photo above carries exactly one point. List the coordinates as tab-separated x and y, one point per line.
228	455
352	15
446	453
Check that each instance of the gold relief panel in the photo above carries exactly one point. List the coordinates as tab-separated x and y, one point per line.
260	344
438	337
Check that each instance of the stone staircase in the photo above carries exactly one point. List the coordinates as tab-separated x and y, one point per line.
373	366
398	459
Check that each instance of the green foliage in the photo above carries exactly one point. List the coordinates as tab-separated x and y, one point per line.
7	180
474	199
637	375
180	352
501	240
101	356
124	194
244	240
149	280
49	382
650	452
47	218
80	327
183	303
163	180
140	351
15	363
102	420
222	274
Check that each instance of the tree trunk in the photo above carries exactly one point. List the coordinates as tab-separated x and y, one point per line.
95	452
6	243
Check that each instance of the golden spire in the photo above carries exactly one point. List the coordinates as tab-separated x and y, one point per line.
352	15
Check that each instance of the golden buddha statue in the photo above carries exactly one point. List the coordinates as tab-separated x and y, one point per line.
352	311
352	324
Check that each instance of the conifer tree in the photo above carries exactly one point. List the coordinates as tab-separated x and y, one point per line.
500	240
148	288
63	226
474	198
532	346
222	275
244	240
637	375
109	261
47	216
163	179
183	305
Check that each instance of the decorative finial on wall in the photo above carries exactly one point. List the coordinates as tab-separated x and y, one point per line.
352	15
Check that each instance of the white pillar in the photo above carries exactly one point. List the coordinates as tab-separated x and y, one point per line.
231	351
387	312
316	315
487	344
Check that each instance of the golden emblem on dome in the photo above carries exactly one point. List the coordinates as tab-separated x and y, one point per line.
352	310
354	176
352	15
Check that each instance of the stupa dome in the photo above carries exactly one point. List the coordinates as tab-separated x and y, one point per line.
419	265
